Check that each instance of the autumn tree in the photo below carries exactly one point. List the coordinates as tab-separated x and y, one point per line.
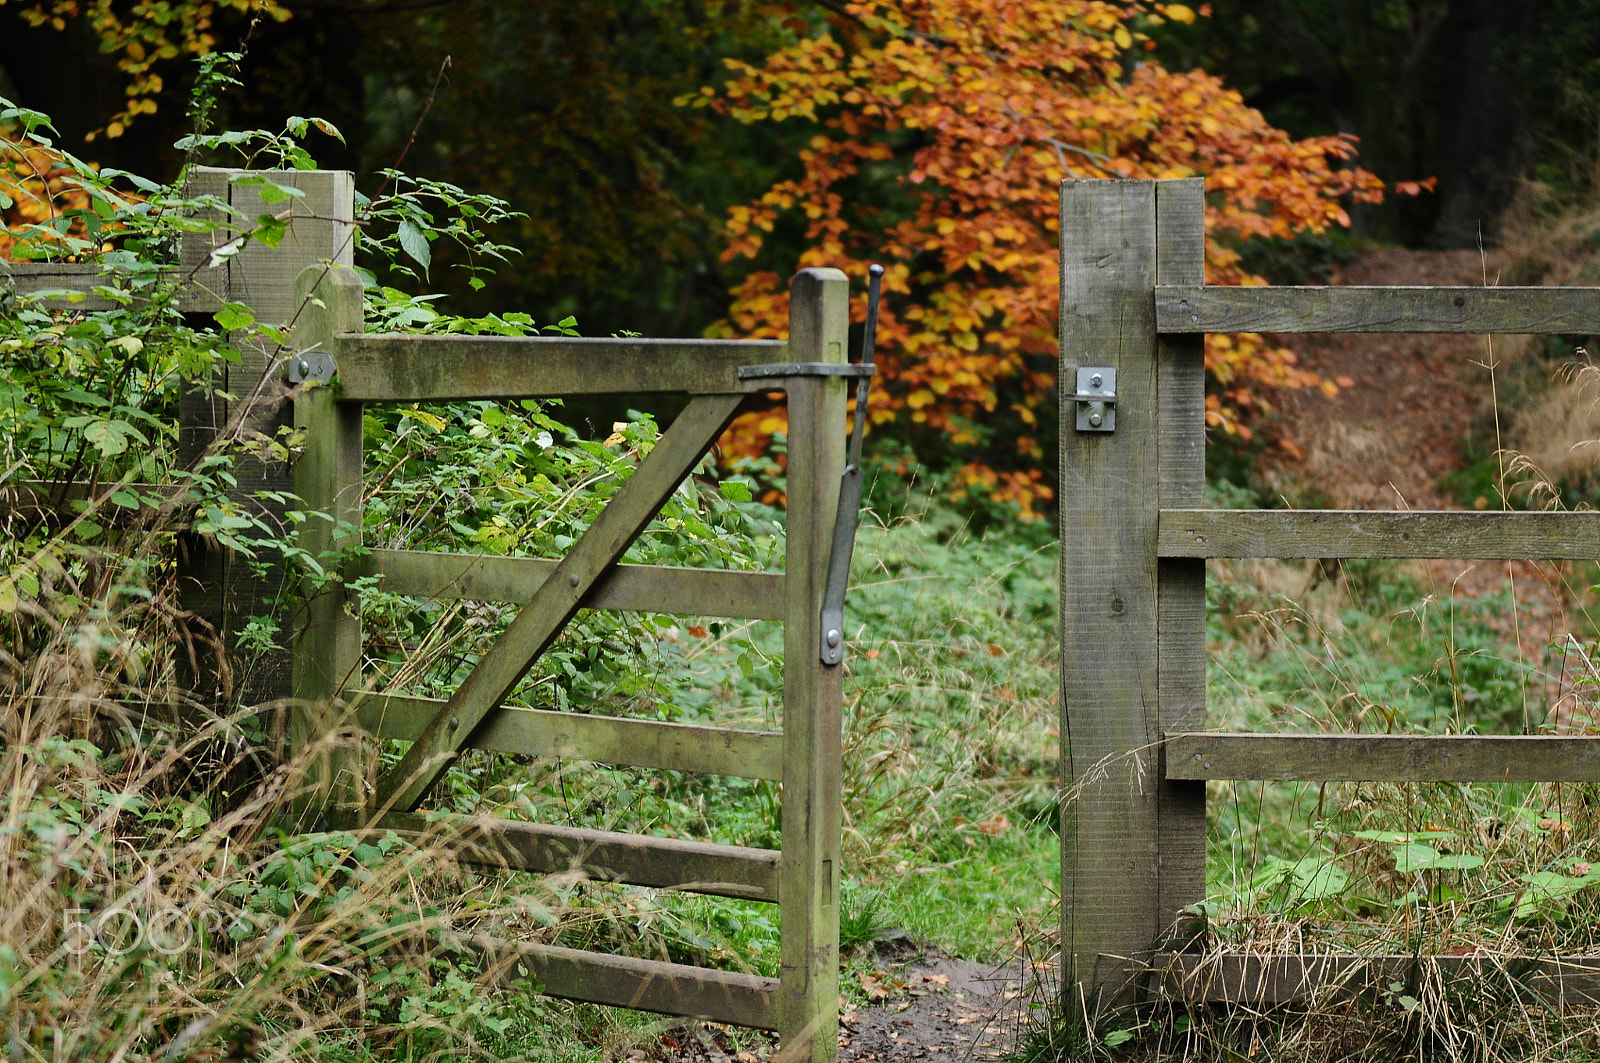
943	131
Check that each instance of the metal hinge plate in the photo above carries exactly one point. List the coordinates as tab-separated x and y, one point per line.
1097	399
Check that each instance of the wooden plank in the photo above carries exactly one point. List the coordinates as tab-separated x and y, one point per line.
607	739
1110	898
205	286
30	278
384	368
1378	533
1181	582
622	981
808	1006
1571	981
611	856
643	588
325	637
1383	758
556	601
1190	308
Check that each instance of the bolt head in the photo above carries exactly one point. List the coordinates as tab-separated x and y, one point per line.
1094	381
455	722
833	636
305	367
1095	419
573	580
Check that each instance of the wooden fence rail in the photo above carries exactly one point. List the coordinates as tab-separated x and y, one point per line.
1134	311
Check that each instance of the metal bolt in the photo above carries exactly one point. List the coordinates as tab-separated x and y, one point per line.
455	722
1094	381
1095	419
573	579
833	636
305	368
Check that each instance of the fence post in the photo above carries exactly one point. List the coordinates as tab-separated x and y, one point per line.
326	637
808	876
1181	582
248	401
1110	896
1132	628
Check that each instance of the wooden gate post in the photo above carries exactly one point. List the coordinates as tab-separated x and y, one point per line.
1133	846
808	990
250	398
325	640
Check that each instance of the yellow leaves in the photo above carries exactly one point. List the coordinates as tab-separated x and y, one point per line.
1177	12
920	398
1123	38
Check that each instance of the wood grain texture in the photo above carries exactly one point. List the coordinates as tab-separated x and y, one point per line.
1181	582
1383	758
1572	981
325	630
637	859
1379	533
1191	309
1110	894
265	279
607	739
643	588
381	368
622	981
808	1005
539	622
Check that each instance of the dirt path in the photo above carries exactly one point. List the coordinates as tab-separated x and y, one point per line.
1386	439
936	1007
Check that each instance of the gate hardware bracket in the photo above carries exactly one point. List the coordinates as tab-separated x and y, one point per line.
312	367
761	372
1097	399
848	514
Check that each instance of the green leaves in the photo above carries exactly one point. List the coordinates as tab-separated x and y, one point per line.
415	243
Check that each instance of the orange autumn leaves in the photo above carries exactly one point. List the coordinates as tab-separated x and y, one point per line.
944	130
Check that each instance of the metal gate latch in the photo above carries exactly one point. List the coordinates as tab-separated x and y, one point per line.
849	512
1097	399
312	367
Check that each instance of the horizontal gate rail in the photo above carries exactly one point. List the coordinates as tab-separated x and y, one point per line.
1572	981
641	588
1383	758
622	981
1348	308
1335	533
395	368
577	736
611	856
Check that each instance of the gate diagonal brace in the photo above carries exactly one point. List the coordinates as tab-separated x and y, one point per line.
557	600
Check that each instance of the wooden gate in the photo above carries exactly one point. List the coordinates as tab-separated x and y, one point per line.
1134	544
802	1005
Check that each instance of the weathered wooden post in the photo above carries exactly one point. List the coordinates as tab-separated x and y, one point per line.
1132	441
808	1004
249	401
326	638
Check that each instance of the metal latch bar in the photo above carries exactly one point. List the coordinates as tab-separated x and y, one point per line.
848	514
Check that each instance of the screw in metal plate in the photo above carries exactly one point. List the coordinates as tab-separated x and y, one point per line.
1094	381
1095	419
833	636
305	367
